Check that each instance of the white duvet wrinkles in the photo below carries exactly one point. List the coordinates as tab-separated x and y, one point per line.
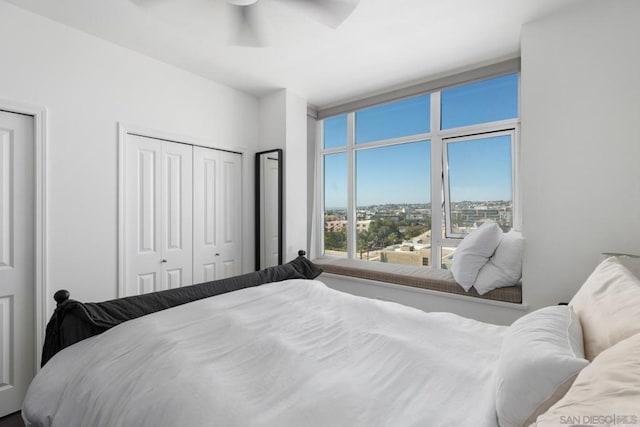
292	353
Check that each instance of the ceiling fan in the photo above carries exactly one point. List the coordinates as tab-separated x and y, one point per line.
254	23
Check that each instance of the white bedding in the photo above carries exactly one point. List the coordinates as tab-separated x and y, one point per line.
292	353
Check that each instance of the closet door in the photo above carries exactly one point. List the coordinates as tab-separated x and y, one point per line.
217	215
158	215
17	271
177	217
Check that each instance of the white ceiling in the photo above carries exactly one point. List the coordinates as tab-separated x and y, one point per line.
383	44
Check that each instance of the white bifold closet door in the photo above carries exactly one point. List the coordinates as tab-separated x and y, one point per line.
182	215
158	224
217	214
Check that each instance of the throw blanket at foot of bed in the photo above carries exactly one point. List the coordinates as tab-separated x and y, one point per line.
289	354
74	321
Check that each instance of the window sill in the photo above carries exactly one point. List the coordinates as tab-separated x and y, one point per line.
416	277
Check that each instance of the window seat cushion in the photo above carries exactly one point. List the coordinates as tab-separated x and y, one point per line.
417	277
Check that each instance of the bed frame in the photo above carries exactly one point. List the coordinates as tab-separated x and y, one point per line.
74	321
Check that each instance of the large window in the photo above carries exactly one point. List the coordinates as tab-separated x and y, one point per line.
404	181
393	120
479	186
335	202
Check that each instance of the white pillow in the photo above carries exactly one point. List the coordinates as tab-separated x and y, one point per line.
541	356
504	268
474	252
608	306
609	385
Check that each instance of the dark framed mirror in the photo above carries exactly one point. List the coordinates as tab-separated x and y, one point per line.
269	183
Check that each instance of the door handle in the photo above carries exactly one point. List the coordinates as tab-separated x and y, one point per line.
163	261
217	254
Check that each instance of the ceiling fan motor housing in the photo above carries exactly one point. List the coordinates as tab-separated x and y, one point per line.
242	2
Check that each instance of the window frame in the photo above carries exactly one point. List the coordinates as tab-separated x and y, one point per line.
437	139
502	128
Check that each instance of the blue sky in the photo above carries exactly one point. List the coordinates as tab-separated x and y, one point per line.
479	170
395	174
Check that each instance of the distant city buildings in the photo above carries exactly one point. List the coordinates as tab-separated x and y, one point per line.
468	215
341	225
410	249
463	214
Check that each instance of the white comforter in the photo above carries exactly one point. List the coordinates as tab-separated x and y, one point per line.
292	353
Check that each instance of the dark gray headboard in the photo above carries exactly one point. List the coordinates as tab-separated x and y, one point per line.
74	321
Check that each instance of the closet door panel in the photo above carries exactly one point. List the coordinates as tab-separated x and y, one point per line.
173	278
182	215
143	215
208	272
217	214
17	262
206	214
177	232
158	215
147	200
146	283
231	218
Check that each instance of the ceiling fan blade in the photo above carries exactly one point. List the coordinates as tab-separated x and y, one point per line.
263	23
147	4
328	12
245	27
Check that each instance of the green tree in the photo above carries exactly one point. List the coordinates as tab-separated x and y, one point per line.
427	221
365	242
335	240
415	230
384	232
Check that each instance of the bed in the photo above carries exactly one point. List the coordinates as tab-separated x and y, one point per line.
294	352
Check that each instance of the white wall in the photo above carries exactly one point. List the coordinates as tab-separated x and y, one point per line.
88	86
580	105
312	134
283	124
581	145
272	124
296	177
